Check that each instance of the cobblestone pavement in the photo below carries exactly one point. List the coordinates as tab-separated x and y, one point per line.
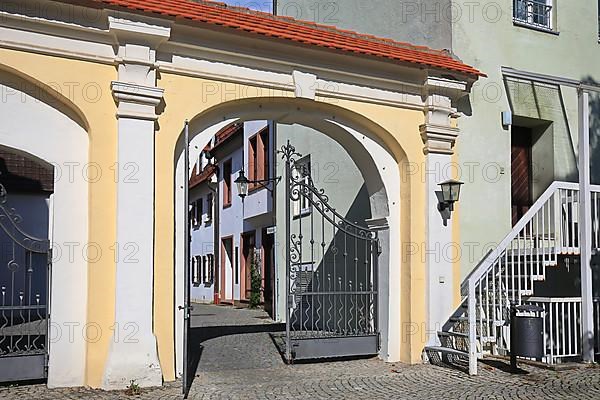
211	315
248	366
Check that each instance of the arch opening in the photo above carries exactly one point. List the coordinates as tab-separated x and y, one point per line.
49	129
365	144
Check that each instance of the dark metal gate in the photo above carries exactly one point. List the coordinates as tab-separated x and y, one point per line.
331	273
24	299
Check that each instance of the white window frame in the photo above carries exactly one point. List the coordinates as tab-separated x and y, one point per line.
196	279
530	18
210	272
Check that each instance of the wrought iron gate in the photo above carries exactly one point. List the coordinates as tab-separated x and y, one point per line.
331	273
24	299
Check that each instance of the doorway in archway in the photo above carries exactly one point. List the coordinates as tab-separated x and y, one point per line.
26	187
250	233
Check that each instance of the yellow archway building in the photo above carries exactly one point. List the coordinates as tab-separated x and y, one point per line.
130	73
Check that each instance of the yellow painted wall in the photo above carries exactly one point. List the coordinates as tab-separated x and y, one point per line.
85	87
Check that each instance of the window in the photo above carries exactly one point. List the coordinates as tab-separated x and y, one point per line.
536	13
253	161
264	142
209	207
200	209
227	183
258	157
196	211
301	171
204	269
196	260
192	213
208	269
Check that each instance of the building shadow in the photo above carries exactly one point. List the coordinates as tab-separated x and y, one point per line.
197	336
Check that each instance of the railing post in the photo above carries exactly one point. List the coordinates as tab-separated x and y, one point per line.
558	237
472	312
585	229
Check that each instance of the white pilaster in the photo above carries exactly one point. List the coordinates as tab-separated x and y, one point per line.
439	137
133	352
585	229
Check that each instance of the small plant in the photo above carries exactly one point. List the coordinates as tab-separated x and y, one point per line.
133	389
255	279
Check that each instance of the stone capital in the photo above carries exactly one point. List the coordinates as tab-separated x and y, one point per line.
438	139
136	101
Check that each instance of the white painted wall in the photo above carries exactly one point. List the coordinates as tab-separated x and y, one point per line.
197	142
35	127
202	244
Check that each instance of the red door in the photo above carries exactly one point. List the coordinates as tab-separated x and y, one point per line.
521	172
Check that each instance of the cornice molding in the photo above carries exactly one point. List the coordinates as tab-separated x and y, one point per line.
338	84
136	28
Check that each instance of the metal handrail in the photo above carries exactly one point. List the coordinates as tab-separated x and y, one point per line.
495	264
487	262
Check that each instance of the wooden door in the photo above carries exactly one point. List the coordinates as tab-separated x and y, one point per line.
248	244
521	172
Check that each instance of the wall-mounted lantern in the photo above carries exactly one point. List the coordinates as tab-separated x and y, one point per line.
450	194
242	183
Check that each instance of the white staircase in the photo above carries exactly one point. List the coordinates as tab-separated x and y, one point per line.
507	274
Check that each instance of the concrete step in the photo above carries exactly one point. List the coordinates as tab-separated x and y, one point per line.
456	334
524	292
537	278
532	251
447	350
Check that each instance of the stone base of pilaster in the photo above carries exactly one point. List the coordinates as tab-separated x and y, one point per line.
132	359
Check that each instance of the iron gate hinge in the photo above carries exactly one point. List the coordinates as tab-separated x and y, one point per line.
186	311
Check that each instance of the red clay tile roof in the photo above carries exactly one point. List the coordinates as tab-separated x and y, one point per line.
242	19
227	132
203	176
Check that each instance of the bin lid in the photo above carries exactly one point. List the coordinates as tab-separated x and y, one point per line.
529	308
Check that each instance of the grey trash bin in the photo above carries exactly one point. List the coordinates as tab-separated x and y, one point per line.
526	333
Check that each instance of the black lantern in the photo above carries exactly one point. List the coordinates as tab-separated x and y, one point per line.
450	194
242	184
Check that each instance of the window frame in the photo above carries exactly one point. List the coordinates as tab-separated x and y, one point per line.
253	162
209	207
529	20
193	213
199	211
297	208
227	187
196	278
258	159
